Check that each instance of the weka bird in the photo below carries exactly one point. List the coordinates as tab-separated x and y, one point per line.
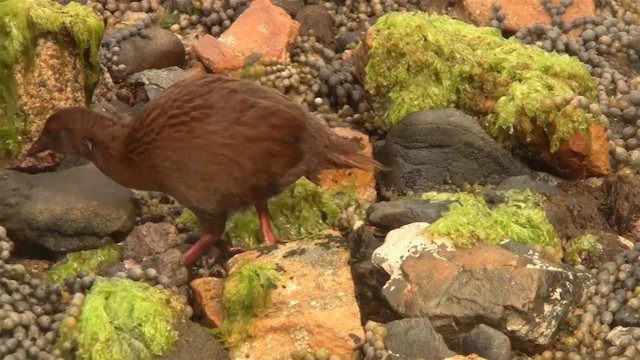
214	143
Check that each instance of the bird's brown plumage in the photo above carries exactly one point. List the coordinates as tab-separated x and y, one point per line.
216	144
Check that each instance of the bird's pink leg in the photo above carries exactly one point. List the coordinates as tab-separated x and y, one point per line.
194	252
265	223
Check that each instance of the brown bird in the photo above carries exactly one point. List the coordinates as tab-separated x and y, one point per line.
214	143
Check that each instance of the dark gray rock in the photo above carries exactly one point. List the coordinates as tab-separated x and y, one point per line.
486	342
431	148
394	214
344	39
292	7
70	210
170	264
160	50
627	317
524	182
318	20
183	6
150	239
194	342
412	338
146	85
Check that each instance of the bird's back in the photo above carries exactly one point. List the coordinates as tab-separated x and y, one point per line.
211	140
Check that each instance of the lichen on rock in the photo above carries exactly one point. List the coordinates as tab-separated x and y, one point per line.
470	220
418	61
22	23
124	319
88	260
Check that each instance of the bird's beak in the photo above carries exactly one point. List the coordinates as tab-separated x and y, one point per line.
41	145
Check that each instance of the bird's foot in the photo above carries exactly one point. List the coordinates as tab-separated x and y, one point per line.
196	250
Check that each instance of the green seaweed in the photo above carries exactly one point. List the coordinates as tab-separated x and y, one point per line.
21	22
124	319
302	211
419	61
582	247
245	292
89	260
470	220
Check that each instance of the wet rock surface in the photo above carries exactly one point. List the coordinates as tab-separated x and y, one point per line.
424	145
71	210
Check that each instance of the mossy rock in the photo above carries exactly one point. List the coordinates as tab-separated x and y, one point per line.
417	61
470	220
245	293
302	211
124	319
23	23
582	247
88	260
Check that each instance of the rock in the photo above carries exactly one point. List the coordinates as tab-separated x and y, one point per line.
627	317
169	263
207	296
55	80
363	180
292	7
391	215
520	14
183	6
149	239
70	210
344	39
525	182
621	201
430	148
313	308
519	295
150	83
161	49
415	338
620	335
317	19
262	31
487	342
194	342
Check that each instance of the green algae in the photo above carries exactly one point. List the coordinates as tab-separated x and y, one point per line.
124	319
302	211
245	292
419	61
470	220
21	22
88	260
582	247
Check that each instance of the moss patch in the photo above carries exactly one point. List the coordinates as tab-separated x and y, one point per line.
419	61
21	22
245	292
124	319
470	220
302	211
88	260
582	247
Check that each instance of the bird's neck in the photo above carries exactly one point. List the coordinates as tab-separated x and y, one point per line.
107	151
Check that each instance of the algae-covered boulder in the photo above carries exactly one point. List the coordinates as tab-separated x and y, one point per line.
123	319
534	102
520	217
302	211
48	60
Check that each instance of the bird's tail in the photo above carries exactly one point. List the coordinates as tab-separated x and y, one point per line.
345	152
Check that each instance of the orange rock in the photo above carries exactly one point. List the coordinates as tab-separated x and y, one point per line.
207	295
313	307
522	13
364	181
586	156
263	30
